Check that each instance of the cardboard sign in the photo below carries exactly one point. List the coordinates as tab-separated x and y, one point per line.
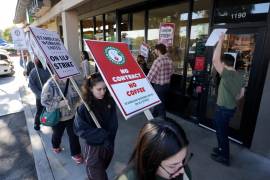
144	50
55	52
124	78
18	39
199	63
36	50
166	33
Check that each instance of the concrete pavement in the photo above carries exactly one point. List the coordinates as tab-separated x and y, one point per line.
245	165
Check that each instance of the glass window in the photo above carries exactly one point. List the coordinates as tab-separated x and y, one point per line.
99	28
197	54
132	31
198	34
176	14
110	27
88	28
88	31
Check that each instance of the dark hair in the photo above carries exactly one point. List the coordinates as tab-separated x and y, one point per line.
157	141
38	63
85	55
88	84
140	57
162	48
228	60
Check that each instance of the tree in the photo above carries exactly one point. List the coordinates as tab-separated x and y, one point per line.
7	35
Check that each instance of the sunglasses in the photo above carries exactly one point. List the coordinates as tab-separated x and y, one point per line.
184	164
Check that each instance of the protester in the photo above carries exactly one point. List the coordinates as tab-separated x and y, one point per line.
52	100
161	152
229	91
85	64
99	146
142	63
160	75
29	66
37	78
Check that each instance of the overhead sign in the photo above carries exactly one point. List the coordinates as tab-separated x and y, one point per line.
242	13
166	33
55	52
18	38
124	78
144	50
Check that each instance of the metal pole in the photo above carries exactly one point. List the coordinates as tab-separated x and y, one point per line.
24	64
148	115
86	105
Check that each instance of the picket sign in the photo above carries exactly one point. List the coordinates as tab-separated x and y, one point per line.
124	78
57	56
18	39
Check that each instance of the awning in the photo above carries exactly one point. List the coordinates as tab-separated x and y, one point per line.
20	14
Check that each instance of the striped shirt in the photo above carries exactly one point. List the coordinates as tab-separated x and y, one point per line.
161	70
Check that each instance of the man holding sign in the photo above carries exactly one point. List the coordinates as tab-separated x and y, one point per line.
229	91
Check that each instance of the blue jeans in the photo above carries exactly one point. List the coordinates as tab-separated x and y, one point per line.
222	118
161	91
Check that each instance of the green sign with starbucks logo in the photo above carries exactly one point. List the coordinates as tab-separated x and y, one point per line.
115	55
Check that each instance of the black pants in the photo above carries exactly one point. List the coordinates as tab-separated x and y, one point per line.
162	91
58	131
97	160
39	108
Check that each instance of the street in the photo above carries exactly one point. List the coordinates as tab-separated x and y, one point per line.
15	148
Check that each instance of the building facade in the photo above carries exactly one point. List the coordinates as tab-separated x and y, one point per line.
193	90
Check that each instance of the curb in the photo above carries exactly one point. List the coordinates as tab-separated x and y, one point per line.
42	164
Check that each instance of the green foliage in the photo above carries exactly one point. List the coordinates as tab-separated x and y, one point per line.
6	35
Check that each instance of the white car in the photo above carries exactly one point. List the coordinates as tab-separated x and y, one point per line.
6	66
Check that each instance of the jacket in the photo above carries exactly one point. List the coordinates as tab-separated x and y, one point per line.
34	82
85	127
51	97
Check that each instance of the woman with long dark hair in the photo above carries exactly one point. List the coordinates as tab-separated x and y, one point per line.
99	146
161	152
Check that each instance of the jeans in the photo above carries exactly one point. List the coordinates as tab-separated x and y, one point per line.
57	134
161	91
221	122
39	108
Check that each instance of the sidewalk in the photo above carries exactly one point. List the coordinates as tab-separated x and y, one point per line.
245	165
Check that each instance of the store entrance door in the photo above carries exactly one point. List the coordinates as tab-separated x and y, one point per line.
246	46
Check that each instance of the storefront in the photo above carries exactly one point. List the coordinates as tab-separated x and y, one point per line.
194	83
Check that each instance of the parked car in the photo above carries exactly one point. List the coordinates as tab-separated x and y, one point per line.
6	65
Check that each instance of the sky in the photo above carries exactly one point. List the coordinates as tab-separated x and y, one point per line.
7	13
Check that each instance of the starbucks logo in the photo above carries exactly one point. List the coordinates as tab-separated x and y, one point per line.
115	55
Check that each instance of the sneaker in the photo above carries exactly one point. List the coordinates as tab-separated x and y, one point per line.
216	151
37	127
78	158
221	160
57	150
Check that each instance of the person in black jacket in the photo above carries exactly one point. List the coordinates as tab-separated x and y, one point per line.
99	146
